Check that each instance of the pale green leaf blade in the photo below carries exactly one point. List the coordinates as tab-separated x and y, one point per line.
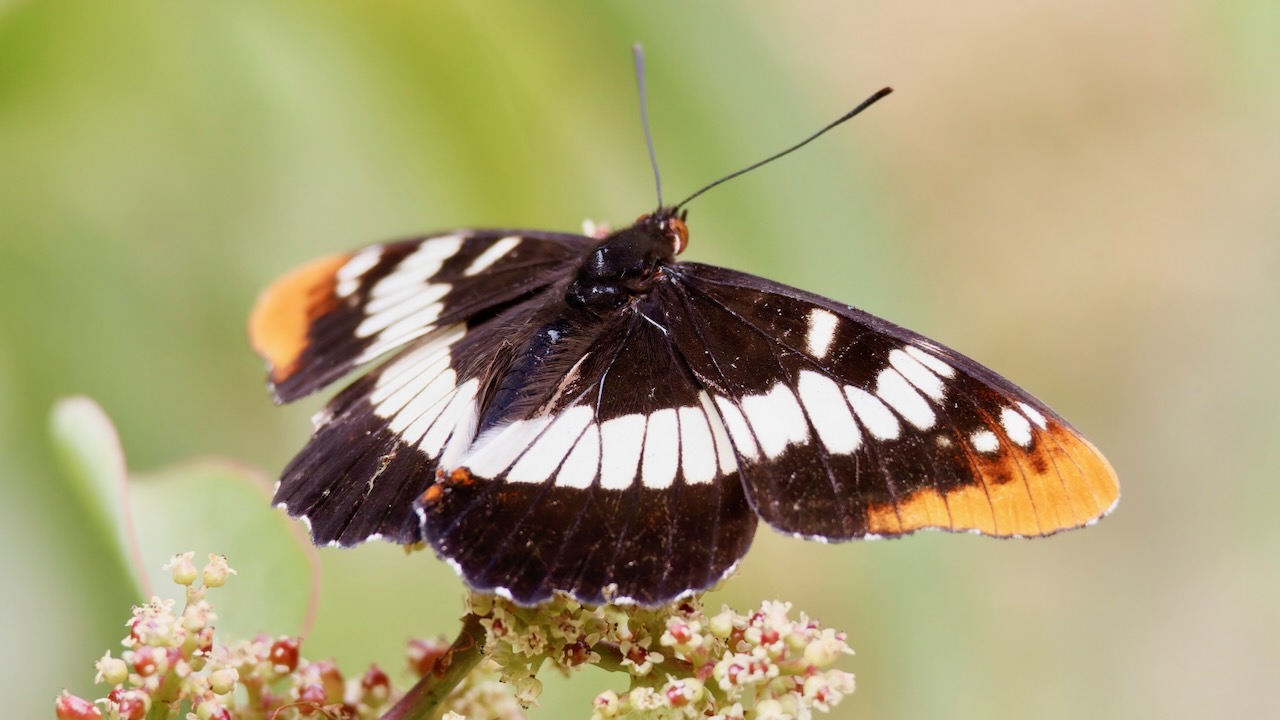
89	451
218	506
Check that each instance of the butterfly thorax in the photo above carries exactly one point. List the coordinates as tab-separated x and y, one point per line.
628	263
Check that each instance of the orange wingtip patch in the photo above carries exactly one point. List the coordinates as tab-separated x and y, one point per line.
1060	482
284	313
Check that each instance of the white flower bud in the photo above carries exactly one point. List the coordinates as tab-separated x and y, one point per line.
182	569
216	572
527	690
112	671
224	680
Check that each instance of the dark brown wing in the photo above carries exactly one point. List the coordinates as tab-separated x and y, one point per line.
618	483
848	426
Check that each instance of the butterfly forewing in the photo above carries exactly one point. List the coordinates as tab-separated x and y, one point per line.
848	425
324	319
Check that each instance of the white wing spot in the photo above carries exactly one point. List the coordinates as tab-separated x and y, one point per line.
583	464
495	450
409	366
453	417
743	441
423	298
931	361
898	393
697	451
879	421
431	253
1016	427
404	305
491	255
621	440
412	428
1033	415
547	452
411	296
985	441
777	419
661	450
724	449
464	429
829	413
416	401
917	374
349	275
418	266
822	330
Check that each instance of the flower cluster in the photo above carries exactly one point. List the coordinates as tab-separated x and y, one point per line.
520	640
682	663
172	667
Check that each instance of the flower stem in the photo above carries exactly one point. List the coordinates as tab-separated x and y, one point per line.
611	658
462	656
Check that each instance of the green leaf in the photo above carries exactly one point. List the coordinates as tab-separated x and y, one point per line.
89	451
208	506
217	506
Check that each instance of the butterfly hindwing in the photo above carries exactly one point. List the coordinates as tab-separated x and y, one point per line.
847	425
611	485
378	443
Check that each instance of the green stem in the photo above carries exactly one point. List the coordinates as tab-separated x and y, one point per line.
462	656
160	711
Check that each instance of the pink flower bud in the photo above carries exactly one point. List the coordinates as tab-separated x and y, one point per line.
325	673
423	655
310	699
375	686
70	707
284	655
130	704
148	661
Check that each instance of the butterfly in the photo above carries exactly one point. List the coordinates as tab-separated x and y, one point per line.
591	416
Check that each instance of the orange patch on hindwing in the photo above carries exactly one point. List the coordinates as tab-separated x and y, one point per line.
444	481
282	317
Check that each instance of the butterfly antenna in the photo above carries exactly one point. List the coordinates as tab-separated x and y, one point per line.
638	51
861	106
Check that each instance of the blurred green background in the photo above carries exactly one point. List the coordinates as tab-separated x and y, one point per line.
1082	195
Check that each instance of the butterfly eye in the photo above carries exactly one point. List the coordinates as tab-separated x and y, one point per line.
679	233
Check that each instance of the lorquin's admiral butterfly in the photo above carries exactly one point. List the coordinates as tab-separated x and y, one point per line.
591	416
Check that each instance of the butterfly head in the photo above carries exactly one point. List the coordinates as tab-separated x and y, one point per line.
668	224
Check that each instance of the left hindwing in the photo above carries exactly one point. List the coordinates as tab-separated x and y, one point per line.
846	425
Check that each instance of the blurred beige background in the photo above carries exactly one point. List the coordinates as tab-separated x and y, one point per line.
1082	195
